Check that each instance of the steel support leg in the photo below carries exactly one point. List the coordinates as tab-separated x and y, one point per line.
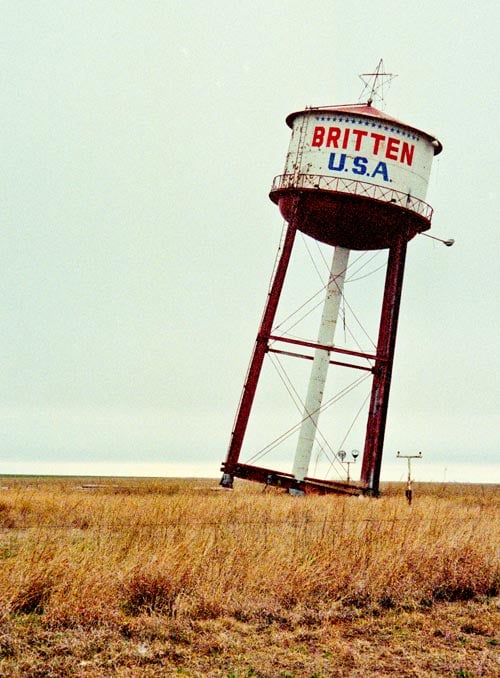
377	416
259	352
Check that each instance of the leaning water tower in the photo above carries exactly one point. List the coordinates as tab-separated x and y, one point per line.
356	179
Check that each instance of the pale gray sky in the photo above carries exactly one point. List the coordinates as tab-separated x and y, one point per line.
139	141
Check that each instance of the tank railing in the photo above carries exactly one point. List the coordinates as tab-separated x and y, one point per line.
353	187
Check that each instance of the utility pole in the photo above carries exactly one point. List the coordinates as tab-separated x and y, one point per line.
408	491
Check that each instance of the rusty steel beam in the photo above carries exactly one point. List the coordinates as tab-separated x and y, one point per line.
310	357
257	360
324	347
377	414
287	481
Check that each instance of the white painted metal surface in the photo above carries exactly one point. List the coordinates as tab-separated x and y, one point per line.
361	146
320	364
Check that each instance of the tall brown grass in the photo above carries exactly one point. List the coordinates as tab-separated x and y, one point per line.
124	548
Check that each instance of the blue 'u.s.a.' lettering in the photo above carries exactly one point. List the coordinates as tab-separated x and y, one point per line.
359	166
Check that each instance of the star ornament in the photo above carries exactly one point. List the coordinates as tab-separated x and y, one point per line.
374	84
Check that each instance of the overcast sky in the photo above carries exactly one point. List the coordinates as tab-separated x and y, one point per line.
139	141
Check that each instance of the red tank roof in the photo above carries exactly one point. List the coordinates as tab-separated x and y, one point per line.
367	111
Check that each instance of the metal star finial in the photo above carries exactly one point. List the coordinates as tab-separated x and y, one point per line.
375	82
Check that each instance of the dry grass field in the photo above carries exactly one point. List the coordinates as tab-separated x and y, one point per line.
137	577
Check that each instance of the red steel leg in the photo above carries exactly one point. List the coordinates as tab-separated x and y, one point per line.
260	350
375	430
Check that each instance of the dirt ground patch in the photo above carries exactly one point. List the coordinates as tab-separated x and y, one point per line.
449	639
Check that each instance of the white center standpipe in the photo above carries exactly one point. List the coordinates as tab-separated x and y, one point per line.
320	364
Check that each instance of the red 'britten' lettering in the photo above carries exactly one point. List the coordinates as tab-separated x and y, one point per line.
407	153
391	151
377	139
333	136
359	134
318	136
